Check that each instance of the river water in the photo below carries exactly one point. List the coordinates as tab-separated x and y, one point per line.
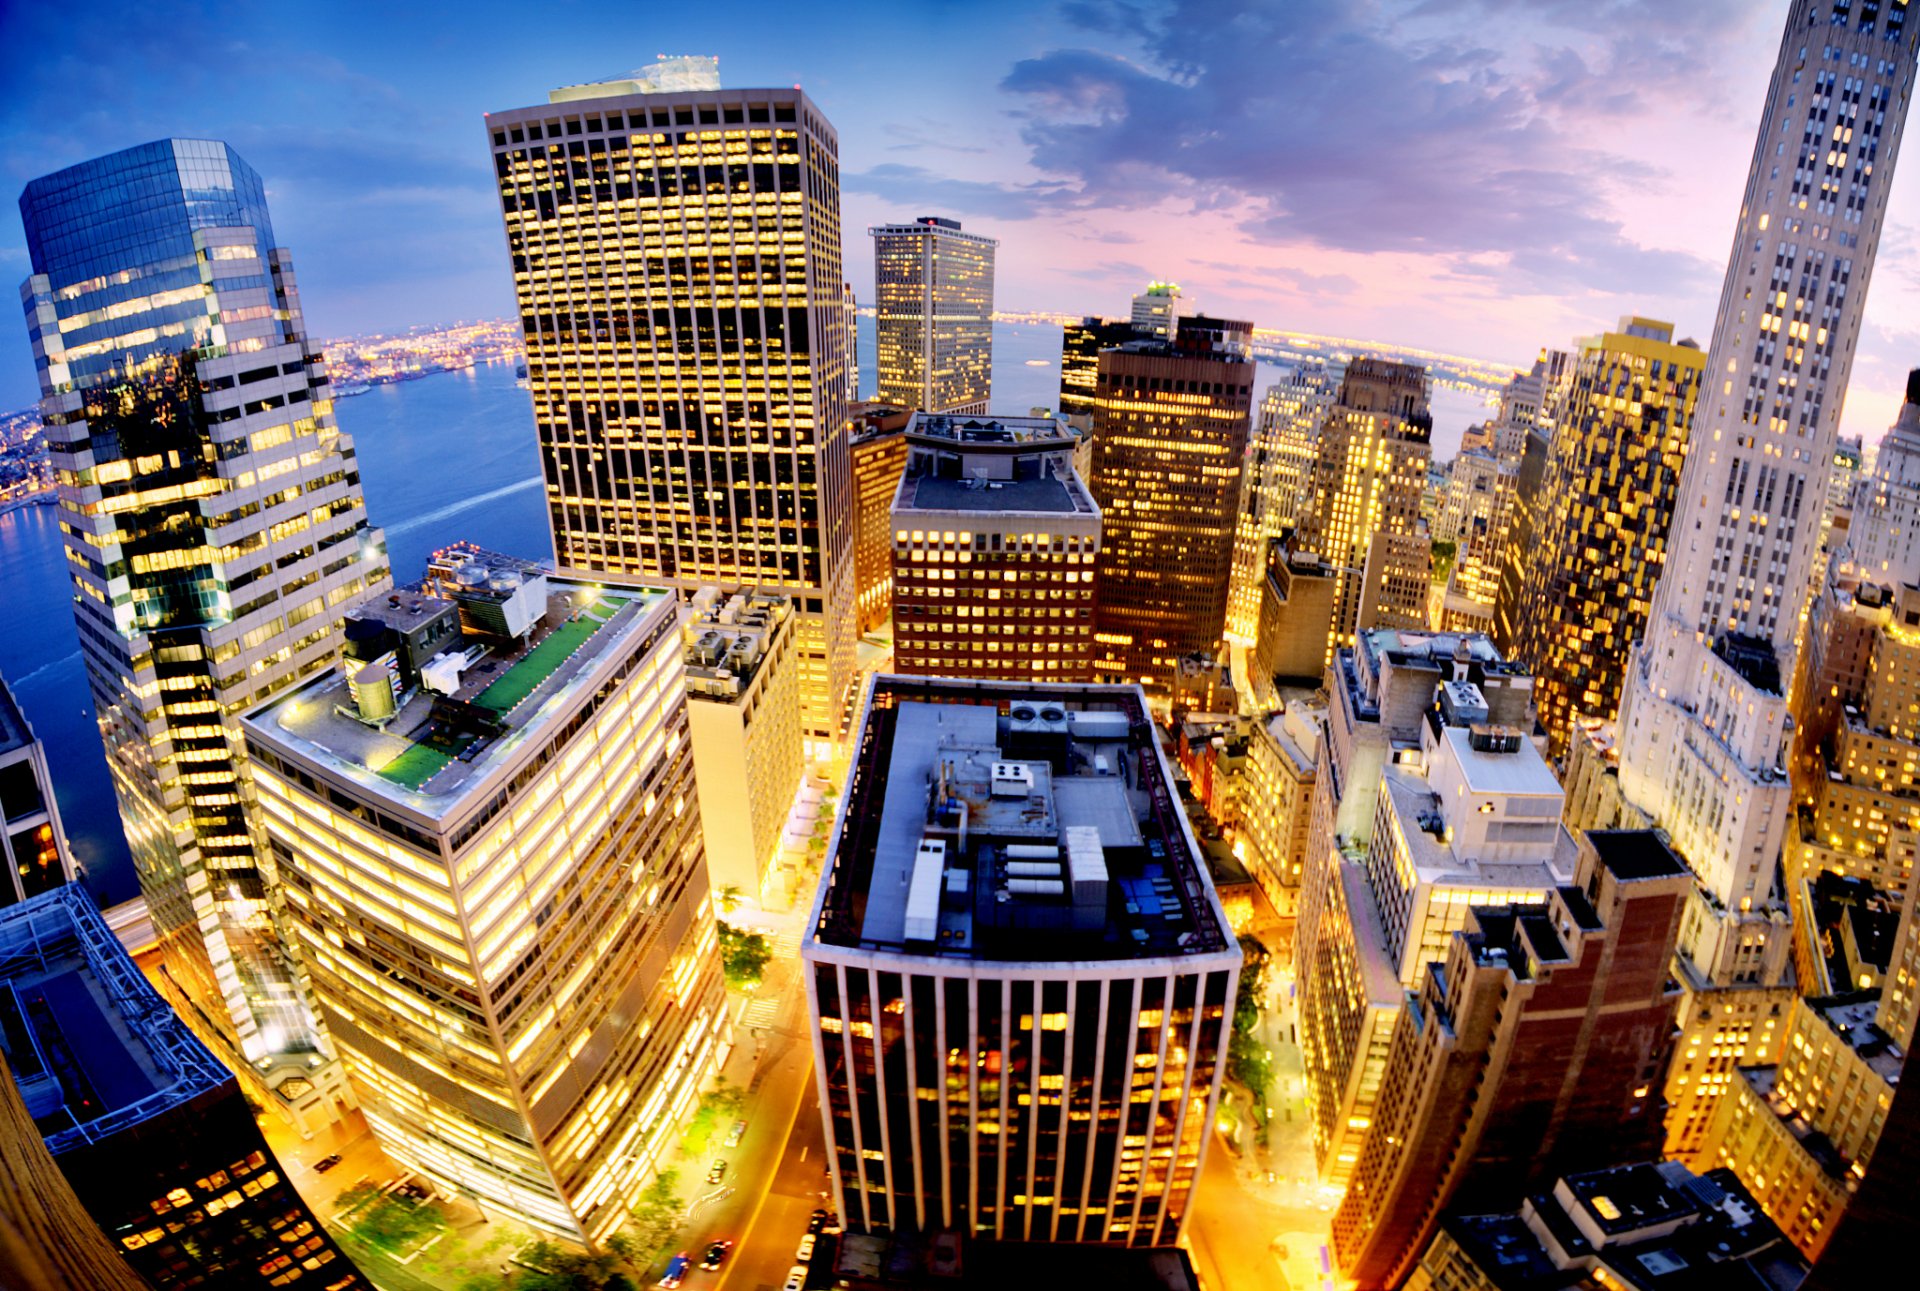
442	458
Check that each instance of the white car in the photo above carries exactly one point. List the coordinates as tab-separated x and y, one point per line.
796	1278
805	1252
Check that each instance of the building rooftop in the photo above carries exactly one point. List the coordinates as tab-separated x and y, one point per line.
728	640
93	1047
1049	496
1854	1018
1433	858
1516	770
435	747
1014	823
1635	854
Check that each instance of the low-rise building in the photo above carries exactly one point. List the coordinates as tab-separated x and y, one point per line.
877	454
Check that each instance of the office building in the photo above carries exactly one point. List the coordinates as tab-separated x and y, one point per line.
48	1242
1297	595
494	873
1801	1133
877	454
1643	1227
1536	407
1704	716
743	716
933	315
1157	311
1468	818
1080	346
852	323
995	544
1474	516
1278	805
1279	463
1534	1051
1018	972
33	846
1364	515
1883	535
687	347
1169	444
214	529
1600	534
151	1132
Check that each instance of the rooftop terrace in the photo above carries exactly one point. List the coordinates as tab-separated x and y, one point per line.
435	747
1014	823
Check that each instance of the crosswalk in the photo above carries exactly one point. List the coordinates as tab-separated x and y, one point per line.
761	1011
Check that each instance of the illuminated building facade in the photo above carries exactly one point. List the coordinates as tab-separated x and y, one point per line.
1169	444
1470	818
1883	536
1532	1051
1704	721
1800	1133
1537	407
152	1133
493	867
1278	803
743	714
1279	463
676	257
1080	346
214	529
995	539
1157	311
1599	539
1474	517
933	315
33	846
1364	515
878	454
1018	971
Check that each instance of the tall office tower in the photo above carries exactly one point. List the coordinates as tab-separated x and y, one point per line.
33	846
1536	413
1080	346
1883	538
1279	463
1471	818
490	844
1157	311
1801	1133
933	315
878	454
995	542
214	526
1474	517
743	715
1364	518
1599	536
152	1133
1836	517
1278	804
853	341
1703	719
1533	1051
677	262
1018	971
1641	1227
1169	442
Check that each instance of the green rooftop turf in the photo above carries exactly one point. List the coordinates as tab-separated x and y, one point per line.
540	663
415	767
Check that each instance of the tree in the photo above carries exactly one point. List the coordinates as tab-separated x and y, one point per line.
728	898
744	956
657	1217
388	1221
1247	1061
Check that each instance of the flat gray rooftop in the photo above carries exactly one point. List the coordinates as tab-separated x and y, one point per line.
1049	496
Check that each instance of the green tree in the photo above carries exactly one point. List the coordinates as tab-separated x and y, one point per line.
743	956
728	898
388	1221
1247	1061
657	1217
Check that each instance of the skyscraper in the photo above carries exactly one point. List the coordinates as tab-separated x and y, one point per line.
214	528
1157	311
1703	721
1535	1049
1279	463
878	451
1538	408
995	543
1018	971
1364	518
1169	447
152	1133
1883	535
676	258
33	846
1600	536
1080	346
933	315
493	865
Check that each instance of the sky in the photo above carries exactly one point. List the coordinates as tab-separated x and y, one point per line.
1480	177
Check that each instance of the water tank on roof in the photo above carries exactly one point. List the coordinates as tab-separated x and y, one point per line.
504	581
471	574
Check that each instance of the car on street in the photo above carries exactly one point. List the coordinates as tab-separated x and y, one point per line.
676	1271
716	1253
805	1252
718	1172
326	1163
796	1278
816	1221
735	1134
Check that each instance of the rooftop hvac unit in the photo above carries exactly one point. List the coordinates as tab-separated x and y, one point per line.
1012	780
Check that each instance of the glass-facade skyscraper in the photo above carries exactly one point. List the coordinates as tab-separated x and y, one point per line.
933	315
676	257
214	528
